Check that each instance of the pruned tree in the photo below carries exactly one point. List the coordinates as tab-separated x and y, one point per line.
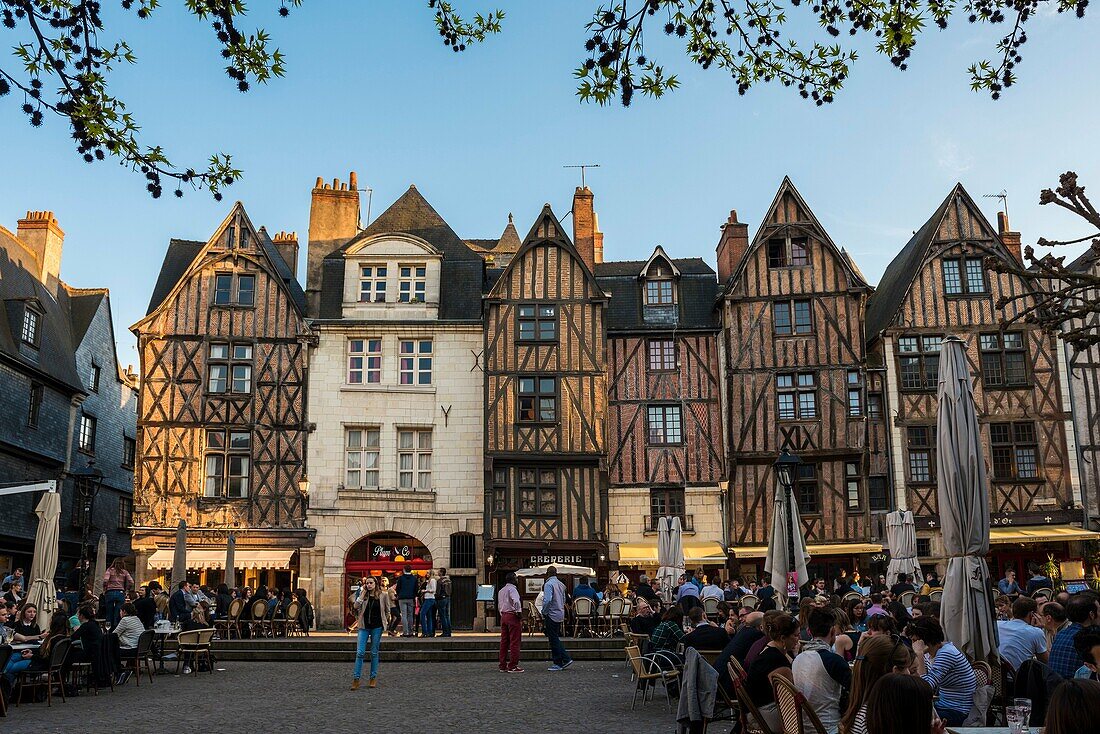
64	59
1066	296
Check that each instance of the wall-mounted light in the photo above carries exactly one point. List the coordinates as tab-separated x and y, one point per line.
489	559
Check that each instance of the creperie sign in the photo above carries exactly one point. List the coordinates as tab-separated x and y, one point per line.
565	560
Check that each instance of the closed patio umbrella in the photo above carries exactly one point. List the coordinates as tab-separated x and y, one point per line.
179	557
962	491
666	574
41	591
901	539
776	563
230	561
100	565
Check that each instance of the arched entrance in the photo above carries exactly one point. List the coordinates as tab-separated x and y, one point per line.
382	554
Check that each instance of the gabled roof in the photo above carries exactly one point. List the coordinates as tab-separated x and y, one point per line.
1085	261
177	258
637	268
83	304
462	268
893	288
697	288
856	279
507	244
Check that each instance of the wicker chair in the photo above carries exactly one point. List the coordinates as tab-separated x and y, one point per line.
907	598
710	607
582	614
260	624
232	621
750	601
142	657
850	596
34	679
1045	593
935	595
288	625
615	611
752	722
647	673
195	643
533	619
735	669
793	709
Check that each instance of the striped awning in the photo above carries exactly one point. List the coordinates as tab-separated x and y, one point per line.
278	559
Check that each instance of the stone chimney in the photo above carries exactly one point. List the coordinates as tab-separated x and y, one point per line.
585	226
287	245
1010	239
597	239
40	233
333	220
731	246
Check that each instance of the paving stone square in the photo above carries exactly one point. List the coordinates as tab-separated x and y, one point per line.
315	698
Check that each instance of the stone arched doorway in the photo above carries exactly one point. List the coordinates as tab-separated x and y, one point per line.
383	553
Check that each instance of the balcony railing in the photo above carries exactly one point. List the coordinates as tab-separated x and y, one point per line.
652	520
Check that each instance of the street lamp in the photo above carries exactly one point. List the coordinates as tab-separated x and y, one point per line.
87	483
786	468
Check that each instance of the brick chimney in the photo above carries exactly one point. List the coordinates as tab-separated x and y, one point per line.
333	220
584	226
1010	239
731	246
597	239
287	245
40	233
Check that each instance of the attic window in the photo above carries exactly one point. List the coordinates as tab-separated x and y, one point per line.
29	333
788	252
658	286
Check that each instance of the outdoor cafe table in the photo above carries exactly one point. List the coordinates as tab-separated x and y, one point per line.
25	646
983	729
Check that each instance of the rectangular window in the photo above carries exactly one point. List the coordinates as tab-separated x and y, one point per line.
662	355
538	399
878	495
361	457
232	290
851	483
537	492
921	441
1015	451
228	461
665	425
87	433
785	253
93	378
229	368
658	293
537	323
793	317
1003	360
411	284
372	284
223	289
666	502
415	362
805	489
964	276
924	547
29	332
500	492
796	394
246	290
874	405
129	452
919	362
364	361
34	407
125	513
855	393
414	459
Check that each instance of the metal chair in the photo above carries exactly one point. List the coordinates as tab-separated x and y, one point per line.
49	678
232	621
750	601
752	722
793	709
583	609
647	677
142	654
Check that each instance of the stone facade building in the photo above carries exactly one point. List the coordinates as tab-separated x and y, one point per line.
222	411
396	386
66	403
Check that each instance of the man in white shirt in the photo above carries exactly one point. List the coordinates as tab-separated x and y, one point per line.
1021	639
427	607
713	589
820	674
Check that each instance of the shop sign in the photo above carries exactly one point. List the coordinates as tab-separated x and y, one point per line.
563	560
395	554
880	558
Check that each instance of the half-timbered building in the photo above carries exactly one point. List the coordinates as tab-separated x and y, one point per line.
666	456
792	324
545	400
939	286
397	390
222	408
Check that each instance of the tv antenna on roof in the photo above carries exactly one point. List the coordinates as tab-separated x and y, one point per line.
1003	196
583	166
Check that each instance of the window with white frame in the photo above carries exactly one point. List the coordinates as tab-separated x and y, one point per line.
855	393
93	377
361	457
229	368
414	459
662	355
364	361
228	460
87	433
665	424
796	394
851	481
964	276
29	331
412	283
1015	450
372	283
415	366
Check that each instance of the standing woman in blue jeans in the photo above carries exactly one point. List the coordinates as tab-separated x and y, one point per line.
116	582
373	614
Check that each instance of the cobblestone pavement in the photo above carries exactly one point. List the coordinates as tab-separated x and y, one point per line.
315	698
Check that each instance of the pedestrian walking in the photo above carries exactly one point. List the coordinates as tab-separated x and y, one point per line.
372	613
406	601
427	606
511	628
553	613
443	601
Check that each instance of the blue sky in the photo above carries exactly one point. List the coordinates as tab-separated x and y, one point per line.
370	88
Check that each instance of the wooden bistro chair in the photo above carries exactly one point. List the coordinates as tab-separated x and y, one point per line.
142	657
735	669
935	595
259	619
1043	594
793	709
850	596
582	614
646	672
750	601
195	643
752	721
710	608
534	619
35	679
616	612
232	622
907	598
288	625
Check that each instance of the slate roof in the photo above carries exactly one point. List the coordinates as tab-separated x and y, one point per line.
1084	261
83	304
177	258
462	271
697	290
507	244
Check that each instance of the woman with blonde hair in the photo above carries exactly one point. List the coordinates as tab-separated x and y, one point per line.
372	612
877	657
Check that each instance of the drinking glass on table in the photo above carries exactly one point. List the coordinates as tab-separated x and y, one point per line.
1017	719
1025	705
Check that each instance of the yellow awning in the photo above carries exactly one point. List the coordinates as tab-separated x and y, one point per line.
822	549
1040	534
695	552
215	559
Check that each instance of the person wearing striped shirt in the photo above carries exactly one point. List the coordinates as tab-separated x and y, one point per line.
945	668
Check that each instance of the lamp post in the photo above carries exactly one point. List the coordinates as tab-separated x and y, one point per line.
87	482
786	468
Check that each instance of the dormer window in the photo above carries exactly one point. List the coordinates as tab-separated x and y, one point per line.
372	283
29	332
412	284
788	252
658	286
